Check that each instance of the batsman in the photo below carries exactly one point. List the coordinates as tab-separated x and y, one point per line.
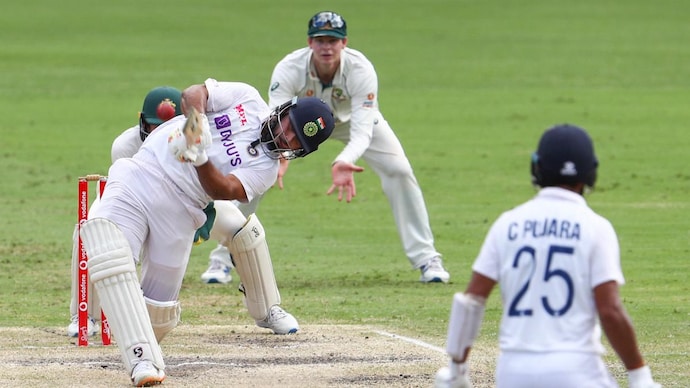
160	105
226	147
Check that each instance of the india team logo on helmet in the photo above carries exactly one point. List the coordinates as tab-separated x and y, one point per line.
312	121
316	119
312	128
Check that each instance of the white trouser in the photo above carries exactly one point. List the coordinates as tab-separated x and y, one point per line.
387	158
552	369
151	213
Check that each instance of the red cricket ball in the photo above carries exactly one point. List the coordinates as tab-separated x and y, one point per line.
165	110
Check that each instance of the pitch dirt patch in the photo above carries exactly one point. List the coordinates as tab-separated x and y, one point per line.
230	356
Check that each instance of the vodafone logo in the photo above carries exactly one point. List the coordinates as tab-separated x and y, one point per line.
83	291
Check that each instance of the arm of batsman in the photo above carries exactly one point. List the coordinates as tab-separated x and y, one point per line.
189	143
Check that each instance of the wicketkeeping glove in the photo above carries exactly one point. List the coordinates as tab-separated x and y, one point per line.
189	143
202	234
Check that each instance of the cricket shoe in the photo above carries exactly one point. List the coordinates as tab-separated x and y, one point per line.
217	272
145	374
73	328
280	321
452	376
433	272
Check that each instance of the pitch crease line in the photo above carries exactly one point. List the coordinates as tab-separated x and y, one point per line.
412	341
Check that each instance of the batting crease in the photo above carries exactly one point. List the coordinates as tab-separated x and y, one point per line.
412	341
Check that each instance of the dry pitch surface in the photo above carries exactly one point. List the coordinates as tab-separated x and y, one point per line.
232	356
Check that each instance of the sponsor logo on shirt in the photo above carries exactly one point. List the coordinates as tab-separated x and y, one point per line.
222	121
226	136
241	113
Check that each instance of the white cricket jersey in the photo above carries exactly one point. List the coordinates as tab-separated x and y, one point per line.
126	144
352	95
235	112
547	255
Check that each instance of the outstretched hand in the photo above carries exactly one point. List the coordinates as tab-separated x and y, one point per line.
344	180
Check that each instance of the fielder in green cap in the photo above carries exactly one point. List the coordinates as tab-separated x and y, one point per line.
327	24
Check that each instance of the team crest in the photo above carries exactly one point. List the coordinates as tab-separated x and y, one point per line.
252	150
338	94
312	127
569	169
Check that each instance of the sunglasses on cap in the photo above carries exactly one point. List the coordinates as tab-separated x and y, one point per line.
321	19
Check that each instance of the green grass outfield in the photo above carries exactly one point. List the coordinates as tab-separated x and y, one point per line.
468	86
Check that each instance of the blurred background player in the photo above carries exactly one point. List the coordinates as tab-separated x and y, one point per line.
226	148
166	98
558	266
347	81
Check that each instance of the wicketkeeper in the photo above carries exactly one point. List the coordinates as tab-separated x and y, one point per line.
160	104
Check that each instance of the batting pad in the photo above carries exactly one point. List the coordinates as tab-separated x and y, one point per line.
164	316
253	263
466	316
113	273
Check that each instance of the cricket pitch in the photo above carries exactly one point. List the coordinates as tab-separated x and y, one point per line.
230	356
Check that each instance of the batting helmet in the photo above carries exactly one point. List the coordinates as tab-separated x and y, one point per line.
565	155
312	121
149	112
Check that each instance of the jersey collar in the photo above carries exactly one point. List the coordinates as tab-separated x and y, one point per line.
562	194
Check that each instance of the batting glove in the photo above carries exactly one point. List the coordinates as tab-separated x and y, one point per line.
191	150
